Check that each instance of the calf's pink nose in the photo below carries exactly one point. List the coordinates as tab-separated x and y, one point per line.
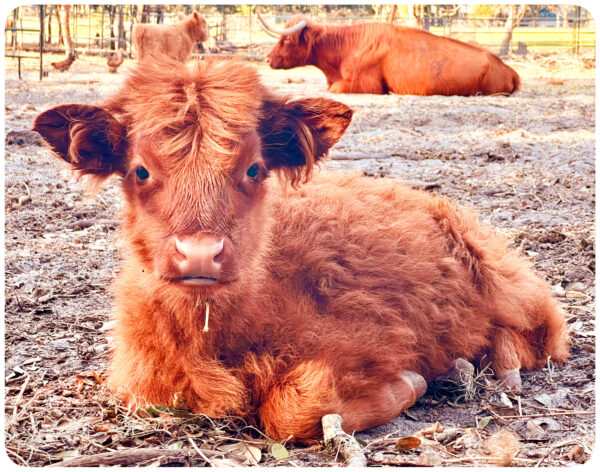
202	255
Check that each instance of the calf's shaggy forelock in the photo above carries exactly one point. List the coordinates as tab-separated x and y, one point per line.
284	299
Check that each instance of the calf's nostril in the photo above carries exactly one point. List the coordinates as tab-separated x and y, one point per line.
181	247
219	251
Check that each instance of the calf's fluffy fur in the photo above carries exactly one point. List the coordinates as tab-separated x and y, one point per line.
336	294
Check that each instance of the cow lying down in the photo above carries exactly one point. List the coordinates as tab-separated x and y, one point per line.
381	58
253	285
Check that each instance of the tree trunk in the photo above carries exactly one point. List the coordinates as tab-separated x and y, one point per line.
61	41
515	15
145	14
49	26
416	16
390	18
64	14
111	18
121	27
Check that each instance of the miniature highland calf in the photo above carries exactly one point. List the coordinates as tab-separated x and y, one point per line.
255	285
383	58
153	42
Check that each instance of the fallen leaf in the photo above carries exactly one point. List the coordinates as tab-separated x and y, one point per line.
433	458
278	451
176	446
534	432
505	400
544	399
404	444
577	454
225	463
483	422
252	453
97	377
66	454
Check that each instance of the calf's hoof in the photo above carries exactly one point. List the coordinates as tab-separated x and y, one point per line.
461	372
414	387
511	380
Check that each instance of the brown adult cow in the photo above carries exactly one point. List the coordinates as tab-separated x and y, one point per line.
246	294
381	58
153	42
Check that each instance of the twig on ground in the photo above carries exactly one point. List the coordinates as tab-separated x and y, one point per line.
340	441
560	444
199	451
19	398
133	456
543	415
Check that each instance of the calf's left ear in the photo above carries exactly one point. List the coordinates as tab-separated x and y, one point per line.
86	136
297	134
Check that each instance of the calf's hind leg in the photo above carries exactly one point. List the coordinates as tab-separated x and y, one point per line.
506	359
295	405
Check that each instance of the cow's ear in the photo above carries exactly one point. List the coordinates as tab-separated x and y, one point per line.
297	134
87	137
310	33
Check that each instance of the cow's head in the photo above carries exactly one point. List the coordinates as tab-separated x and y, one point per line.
194	146
196	26
295	45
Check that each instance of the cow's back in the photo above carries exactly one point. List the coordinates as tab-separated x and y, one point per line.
421	63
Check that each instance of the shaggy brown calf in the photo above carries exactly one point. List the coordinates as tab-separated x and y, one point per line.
382	58
176	41
245	295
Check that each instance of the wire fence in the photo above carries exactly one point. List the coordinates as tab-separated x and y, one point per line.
96	30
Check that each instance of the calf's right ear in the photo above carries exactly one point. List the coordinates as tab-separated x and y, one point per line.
86	136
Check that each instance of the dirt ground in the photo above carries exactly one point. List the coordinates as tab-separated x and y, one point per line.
525	162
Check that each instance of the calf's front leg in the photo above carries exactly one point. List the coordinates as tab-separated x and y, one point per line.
294	407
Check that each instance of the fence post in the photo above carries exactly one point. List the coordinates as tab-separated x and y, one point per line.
102	30
41	41
576	32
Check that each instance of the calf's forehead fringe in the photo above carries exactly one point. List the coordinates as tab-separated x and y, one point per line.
202	105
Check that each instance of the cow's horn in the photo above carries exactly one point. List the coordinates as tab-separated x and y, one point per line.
290	30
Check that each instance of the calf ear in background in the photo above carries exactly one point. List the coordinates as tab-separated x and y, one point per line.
87	137
297	134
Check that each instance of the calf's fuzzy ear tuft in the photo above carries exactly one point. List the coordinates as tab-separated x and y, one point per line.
297	134
86	136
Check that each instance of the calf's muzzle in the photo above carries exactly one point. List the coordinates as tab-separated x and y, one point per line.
201	258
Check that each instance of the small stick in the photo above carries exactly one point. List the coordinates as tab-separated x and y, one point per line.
543	415
347	445
199	451
206	313
567	442
484	458
131	457
19	398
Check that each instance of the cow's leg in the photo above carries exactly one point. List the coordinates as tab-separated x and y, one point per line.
506	361
295	406
362	84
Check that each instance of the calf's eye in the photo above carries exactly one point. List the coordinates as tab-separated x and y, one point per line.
142	173
252	171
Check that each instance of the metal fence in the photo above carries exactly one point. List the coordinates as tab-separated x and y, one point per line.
94	30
